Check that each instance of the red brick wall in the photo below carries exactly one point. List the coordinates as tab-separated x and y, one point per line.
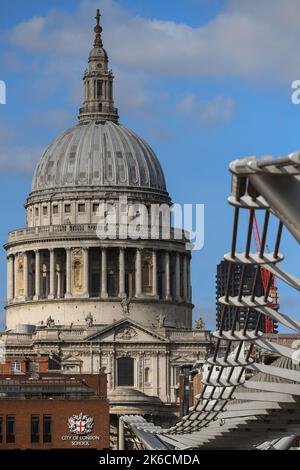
60	410
43	364
97	382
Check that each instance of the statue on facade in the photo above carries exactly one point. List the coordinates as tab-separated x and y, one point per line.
89	320
50	322
200	324
161	320
125	303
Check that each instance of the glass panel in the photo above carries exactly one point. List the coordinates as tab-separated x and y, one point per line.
47	425
35	425
10	429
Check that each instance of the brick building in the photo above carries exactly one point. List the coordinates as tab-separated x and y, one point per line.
22	364
53	411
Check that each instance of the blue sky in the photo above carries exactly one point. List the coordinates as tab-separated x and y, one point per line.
204	81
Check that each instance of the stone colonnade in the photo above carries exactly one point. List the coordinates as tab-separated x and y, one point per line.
67	273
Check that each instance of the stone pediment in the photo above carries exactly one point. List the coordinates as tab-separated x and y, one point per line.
126	330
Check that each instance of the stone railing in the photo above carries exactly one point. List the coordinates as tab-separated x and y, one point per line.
195	335
110	232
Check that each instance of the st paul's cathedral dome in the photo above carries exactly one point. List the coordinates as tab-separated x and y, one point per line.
99	152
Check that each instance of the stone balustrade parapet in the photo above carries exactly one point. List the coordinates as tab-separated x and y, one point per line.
145	232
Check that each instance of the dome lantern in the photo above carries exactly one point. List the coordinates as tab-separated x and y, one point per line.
98	83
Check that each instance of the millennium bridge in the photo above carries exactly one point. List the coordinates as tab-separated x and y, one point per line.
233	412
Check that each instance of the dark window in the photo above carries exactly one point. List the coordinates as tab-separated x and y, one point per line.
45	210
55	209
99	89
125	372
95	206
10	429
33	366
81	207
111	283
47	425
36	211
95	287
35	428
68	208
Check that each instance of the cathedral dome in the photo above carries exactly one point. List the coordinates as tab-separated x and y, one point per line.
98	153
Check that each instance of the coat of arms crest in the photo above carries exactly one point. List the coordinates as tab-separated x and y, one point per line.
81	424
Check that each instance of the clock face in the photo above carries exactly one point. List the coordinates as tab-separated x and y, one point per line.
99	66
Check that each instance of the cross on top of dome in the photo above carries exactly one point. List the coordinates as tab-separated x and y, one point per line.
98	31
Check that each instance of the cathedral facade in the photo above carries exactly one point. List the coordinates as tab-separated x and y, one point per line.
121	304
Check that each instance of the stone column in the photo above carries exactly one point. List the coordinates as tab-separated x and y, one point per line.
104	293
52	273
113	369
167	276
188	275
16	277
86	272
121	272
184	279
177	277
158	363
155	371
154	273
68	273
25	271
138	273
167	376
37	287
10	278
58	274
121	440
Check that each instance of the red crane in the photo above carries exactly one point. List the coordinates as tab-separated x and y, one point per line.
265	275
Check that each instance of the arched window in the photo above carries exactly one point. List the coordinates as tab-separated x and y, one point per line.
148	376
125	371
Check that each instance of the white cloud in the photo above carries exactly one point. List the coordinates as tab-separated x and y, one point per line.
15	157
53	118
19	158
254	39
7	134
219	110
